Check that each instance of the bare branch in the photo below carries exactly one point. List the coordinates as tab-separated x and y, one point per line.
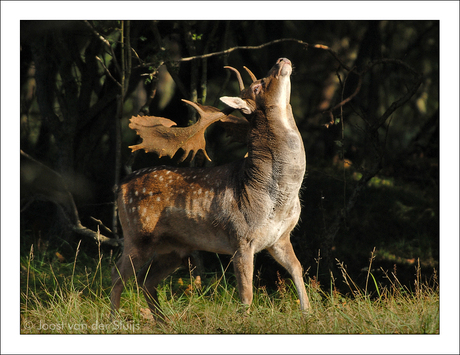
108	71
348	99
342	103
392	61
395	105
159	40
402	100
322	46
227	51
105	41
41	183
102	225
102	38
137	56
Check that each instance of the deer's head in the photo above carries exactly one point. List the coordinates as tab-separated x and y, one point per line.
273	90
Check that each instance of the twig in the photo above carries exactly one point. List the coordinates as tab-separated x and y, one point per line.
343	102
394	106
137	56
401	101
397	104
326	48
108	71
168	63
105	41
99	222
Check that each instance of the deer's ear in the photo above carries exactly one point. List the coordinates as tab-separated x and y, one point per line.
238	104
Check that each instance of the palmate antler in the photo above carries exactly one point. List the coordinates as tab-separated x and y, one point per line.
161	135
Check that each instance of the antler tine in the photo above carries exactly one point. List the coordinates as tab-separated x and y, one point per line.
195	106
253	77
238	75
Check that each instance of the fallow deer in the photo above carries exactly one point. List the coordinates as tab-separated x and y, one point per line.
238	209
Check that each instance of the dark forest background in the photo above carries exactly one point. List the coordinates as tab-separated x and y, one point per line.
373	162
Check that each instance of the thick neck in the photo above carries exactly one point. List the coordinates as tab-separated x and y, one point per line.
276	156
274	137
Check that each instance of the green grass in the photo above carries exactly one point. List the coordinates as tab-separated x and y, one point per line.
72	297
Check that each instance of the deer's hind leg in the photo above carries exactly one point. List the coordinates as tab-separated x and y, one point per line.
152	274
129	263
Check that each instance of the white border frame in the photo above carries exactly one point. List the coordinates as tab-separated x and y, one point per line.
445	11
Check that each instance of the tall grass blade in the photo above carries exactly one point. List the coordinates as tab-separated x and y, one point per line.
369	270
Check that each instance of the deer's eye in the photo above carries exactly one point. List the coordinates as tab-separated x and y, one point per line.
256	89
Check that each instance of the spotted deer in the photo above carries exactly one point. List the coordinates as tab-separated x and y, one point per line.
237	209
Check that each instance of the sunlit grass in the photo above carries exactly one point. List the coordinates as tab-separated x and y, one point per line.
69	298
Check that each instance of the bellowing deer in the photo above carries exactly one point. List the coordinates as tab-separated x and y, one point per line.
238	209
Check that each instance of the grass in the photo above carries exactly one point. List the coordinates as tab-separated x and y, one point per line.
72	297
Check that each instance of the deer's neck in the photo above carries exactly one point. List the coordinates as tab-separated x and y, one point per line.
275	165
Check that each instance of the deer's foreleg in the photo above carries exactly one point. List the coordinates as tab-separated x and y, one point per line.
243	263
283	252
